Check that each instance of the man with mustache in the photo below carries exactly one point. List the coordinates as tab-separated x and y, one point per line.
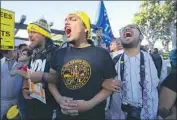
81	70
43	50
138	74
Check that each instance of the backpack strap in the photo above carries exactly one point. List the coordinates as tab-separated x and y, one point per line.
50	52
156	62
116	59
142	73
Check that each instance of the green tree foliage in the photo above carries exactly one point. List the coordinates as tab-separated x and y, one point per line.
154	19
168	19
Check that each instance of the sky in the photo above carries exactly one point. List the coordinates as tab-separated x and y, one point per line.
120	13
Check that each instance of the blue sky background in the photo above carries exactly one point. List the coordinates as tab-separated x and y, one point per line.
120	13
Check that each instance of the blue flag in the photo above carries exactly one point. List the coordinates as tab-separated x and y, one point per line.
103	22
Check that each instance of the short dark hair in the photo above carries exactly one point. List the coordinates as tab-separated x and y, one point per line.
29	51
117	40
156	49
142	47
21	45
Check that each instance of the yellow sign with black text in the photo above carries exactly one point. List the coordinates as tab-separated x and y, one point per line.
7	29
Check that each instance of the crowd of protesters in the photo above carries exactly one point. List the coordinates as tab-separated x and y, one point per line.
84	81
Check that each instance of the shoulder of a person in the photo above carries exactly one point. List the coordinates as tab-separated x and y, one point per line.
55	48
3	60
60	50
146	54
100	49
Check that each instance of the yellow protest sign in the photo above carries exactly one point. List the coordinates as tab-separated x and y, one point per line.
7	29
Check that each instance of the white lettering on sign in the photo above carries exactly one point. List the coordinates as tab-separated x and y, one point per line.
107	28
38	65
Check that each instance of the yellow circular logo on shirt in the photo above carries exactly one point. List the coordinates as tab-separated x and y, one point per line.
76	73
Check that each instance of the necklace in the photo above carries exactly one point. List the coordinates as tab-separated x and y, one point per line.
83	45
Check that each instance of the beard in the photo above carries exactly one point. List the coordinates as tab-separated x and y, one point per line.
34	46
132	44
72	42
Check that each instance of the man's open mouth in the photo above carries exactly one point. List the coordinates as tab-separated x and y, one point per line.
67	32
128	34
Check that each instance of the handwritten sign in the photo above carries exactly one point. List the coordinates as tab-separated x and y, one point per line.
37	91
7	29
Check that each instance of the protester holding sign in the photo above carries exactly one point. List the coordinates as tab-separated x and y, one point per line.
39	102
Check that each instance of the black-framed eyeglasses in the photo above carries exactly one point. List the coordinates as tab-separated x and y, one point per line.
129	27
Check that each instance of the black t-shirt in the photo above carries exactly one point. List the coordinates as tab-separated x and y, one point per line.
82	71
42	62
170	82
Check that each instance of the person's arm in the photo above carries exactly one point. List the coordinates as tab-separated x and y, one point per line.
64	102
112	85
167	98
109	73
173	114
40	76
54	91
100	97
25	83
166	102
37	76
168	95
84	106
25	89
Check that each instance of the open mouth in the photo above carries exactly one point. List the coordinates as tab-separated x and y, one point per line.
67	32
128	34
